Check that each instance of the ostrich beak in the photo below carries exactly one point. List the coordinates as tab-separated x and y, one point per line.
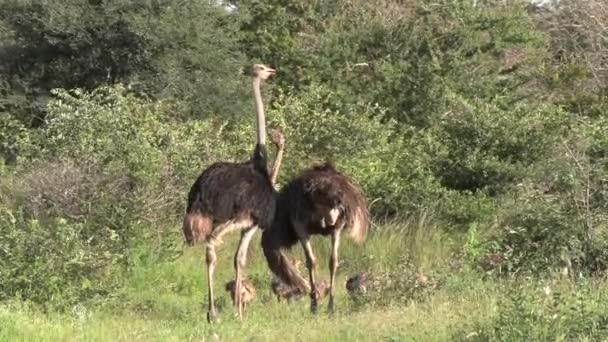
271	71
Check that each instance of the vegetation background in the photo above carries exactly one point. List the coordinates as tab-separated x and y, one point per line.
477	128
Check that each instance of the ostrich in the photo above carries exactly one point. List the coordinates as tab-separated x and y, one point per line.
321	200
358	283
277	138
283	291
247	291
230	197
290	293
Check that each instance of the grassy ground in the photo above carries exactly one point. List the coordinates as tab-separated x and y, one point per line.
423	322
166	301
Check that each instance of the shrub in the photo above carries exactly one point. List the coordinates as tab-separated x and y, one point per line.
14	138
555	218
557	311
108	172
69	44
391	163
131	142
490	148
54	262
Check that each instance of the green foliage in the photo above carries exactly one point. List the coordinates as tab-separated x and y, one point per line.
412	50
128	135
488	148
556	218
372	151
484	117
76	44
461	209
148	156
195	59
540	234
554	312
55	262
108	172
14	139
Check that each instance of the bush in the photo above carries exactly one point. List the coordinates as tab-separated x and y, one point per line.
554	219
392	164
109	171
557	311
409	50
490	148
14	138
54	262
150	45
138	143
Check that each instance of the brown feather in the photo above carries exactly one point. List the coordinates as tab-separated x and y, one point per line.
304	199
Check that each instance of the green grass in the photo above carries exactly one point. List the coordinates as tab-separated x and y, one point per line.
263	323
166	301
175	318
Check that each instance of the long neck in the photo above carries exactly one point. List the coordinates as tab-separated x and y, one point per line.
259	108
277	165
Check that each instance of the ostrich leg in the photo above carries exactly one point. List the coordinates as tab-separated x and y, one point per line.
310	264
333	267
213	240
240	260
211	262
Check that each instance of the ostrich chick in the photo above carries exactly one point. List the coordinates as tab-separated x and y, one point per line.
284	291
247	291
291	293
357	284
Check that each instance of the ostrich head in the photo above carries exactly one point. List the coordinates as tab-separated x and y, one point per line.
277	137
333	214
330	212
262	71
